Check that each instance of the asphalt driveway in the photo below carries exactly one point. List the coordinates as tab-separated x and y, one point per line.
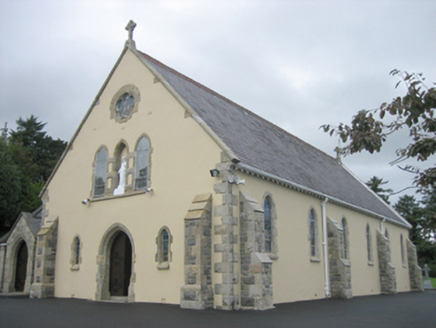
401	310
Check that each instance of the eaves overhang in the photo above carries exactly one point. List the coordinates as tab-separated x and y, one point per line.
250	170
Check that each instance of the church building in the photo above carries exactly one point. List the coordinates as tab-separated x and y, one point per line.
171	193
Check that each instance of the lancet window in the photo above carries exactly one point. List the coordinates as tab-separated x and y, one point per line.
344	239
267	224
163	255
76	253
403	256
312	233
100	168
142	163
368	243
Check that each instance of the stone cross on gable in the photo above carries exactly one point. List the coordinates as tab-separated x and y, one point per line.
130	27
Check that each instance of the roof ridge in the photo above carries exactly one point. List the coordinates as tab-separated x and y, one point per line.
202	86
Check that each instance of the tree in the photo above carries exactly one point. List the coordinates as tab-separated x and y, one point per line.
421	234
410	209
29	140
429	224
375	184
27	158
370	129
10	188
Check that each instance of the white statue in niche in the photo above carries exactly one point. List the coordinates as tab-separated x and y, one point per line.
122	178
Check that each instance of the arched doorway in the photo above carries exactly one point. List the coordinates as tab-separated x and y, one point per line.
120	268
21	268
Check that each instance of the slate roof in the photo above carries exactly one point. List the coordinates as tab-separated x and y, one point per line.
264	146
33	222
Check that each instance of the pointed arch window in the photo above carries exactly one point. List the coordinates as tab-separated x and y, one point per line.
368	244
142	163
100	168
313	234
76	257
267	224
344	239
163	255
403	256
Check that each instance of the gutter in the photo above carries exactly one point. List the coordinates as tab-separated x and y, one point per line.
248	169
325	246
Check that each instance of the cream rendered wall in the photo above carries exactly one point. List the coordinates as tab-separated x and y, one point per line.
295	276
181	156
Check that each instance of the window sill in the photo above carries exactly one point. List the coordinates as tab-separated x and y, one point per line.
127	194
315	259
163	266
370	263
404	266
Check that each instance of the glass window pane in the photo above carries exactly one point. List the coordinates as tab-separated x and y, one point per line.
100	172
267	223
165	240
141	163
312	233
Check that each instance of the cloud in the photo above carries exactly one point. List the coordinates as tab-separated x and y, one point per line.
300	64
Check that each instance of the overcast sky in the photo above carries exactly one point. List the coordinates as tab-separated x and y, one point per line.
299	64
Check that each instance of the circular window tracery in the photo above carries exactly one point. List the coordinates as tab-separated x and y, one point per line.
125	103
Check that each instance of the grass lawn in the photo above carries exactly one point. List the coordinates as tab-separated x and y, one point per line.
433	282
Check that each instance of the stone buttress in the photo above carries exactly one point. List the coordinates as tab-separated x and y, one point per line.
415	272
256	265
388	284
45	261
339	268
197	292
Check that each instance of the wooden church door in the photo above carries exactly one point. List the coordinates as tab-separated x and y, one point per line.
21	269
120	265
